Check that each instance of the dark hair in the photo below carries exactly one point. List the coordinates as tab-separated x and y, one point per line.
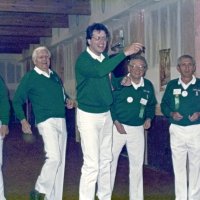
186	56
138	57
96	27
122	68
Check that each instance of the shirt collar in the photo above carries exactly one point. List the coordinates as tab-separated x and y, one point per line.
39	71
99	58
185	86
140	84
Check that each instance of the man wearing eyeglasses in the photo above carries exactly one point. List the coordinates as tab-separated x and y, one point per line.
181	104
132	111
94	97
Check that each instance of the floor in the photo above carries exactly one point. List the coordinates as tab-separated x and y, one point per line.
23	158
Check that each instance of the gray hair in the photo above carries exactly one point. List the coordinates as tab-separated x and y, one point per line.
186	56
37	50
138	57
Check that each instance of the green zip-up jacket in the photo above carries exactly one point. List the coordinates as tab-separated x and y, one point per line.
45	94
94	93
186	102
4	104
133	106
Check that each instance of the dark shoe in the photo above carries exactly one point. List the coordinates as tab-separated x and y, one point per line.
35	195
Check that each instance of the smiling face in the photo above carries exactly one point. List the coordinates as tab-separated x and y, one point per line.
98	42
136	69
42	60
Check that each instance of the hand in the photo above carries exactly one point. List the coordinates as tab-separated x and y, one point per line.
126	81
120	127
4	130
194	116
176	116
133	48
26	127
69	103
147	123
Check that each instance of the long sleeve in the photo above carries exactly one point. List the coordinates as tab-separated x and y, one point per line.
4	103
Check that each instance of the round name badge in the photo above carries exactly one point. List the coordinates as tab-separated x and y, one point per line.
184	93
130	99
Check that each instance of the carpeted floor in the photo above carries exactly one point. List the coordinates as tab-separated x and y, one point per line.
23	161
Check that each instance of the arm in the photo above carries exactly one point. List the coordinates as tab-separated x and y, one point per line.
4	109
19	99
151	105
91	68
150	108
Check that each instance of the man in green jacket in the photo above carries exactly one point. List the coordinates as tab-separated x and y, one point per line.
4	119
132	111
181	104
94	97
44	89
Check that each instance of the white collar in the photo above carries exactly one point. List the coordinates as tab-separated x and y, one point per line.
99	58
140	84
39	71
185	86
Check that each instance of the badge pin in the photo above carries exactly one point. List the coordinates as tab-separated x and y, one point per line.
130	99
184	93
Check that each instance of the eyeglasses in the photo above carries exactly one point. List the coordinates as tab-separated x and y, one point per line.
98	38
138	67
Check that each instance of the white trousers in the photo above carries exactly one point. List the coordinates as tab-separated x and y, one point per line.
185	145
2	197
51	178
134	141
96	139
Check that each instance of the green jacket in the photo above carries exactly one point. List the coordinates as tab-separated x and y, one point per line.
4	103
186	102
133	106
93	84
45	94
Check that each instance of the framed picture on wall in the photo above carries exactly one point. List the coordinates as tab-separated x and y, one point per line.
165	72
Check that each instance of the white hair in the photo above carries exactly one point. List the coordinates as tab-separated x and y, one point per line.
37	50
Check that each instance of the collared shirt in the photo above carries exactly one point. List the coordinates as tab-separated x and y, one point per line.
39	71
96	57
140	84
185	86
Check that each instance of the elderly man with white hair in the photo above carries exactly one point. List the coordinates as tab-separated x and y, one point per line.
44	89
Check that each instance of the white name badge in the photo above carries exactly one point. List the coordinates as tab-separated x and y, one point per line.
177	91
143	101
129	99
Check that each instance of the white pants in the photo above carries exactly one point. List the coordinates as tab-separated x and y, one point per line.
51	178
96	139
2	197
185	145
134	141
